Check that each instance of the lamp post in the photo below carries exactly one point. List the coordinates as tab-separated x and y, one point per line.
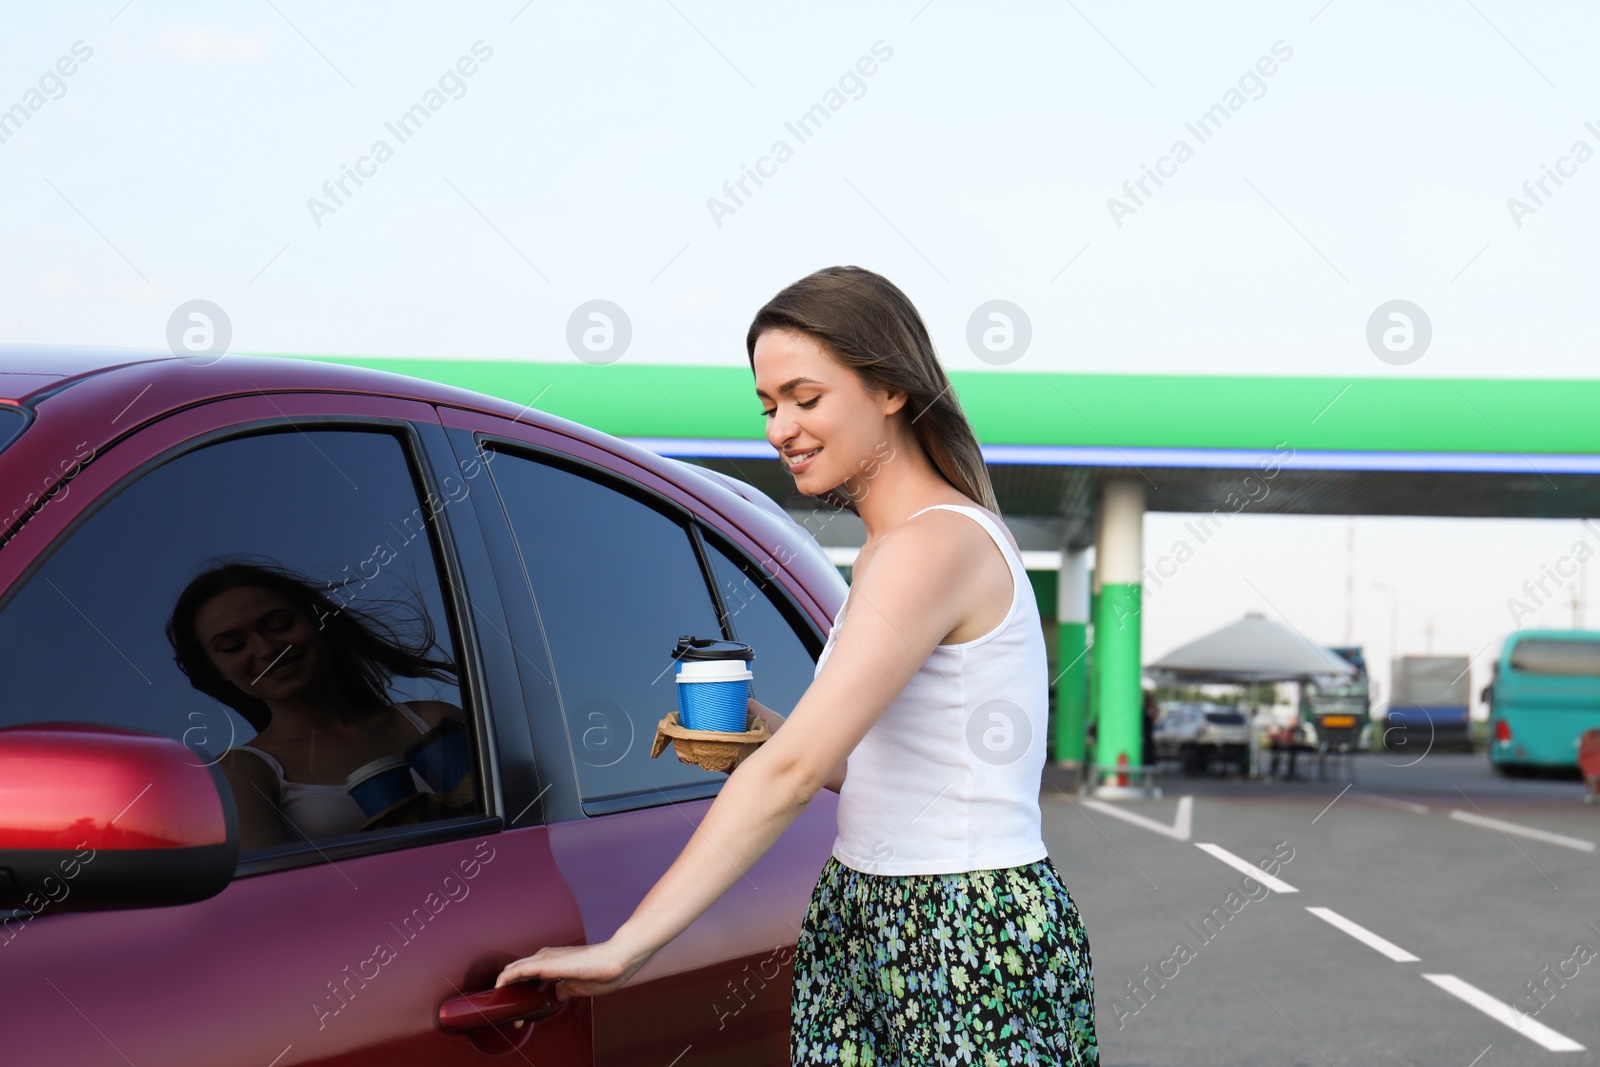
1394	629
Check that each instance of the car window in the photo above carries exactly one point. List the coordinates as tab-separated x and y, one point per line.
12	420
761	616
304	552
616	582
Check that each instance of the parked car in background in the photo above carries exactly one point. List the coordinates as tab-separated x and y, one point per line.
1199	734
546	569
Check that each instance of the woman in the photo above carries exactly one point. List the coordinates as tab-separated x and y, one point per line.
939	928
313	679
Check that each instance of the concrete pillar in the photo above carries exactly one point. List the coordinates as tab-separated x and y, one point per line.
1119	565
1072	637
1094	660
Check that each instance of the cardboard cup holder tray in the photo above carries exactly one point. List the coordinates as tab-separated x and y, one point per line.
713	750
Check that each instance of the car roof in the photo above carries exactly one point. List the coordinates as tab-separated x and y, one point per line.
32	374
29	369
44	381
28	372
104	393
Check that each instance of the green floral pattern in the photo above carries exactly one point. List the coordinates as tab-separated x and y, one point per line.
986	967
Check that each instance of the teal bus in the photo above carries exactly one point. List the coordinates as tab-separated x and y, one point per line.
1544	694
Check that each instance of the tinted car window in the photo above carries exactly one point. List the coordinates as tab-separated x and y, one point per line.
85	637
12	420
783	666
616	583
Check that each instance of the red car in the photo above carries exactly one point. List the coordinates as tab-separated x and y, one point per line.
171	893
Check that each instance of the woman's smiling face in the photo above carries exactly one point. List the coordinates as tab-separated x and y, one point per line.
813	404
260	641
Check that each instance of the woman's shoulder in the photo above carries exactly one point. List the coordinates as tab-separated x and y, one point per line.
249	764
942	506
433	712
933	545
974	534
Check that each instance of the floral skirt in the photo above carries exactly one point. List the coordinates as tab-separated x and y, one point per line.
981	967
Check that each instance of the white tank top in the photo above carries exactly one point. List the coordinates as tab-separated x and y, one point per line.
948	779
319	810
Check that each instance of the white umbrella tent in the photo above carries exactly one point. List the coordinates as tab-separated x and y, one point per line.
1254	649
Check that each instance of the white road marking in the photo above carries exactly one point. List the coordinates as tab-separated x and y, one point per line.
1277	885
1505	1014
1179	830
1403	805
1523	831
1363	935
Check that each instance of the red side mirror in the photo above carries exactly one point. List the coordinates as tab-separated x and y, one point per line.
96	816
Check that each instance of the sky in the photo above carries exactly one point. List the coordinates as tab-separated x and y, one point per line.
1357	153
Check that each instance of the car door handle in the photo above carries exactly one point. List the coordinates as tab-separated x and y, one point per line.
528	1001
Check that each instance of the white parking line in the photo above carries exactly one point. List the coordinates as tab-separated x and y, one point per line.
1505	1014
1277	885
1179	830
1363	935
1523	831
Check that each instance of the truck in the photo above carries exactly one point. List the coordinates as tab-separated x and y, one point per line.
1429	702
1339	710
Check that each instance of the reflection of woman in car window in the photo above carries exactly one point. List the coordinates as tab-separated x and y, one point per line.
313	678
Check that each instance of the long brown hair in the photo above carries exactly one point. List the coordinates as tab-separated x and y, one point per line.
866	323
366	652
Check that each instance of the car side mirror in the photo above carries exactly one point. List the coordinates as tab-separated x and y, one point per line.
94	816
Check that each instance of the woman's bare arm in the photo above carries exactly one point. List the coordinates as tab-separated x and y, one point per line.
917	592
774	720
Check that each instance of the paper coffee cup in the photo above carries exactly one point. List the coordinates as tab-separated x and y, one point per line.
713	683
714	695
443	755
381	784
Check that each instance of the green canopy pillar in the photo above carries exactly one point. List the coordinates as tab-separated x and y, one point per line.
1119	565
1072	645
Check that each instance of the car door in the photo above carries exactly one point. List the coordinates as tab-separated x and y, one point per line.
615	564
331	946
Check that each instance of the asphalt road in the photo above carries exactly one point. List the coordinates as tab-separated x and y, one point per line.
1492	884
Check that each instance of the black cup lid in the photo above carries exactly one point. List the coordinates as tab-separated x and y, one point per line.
702	648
